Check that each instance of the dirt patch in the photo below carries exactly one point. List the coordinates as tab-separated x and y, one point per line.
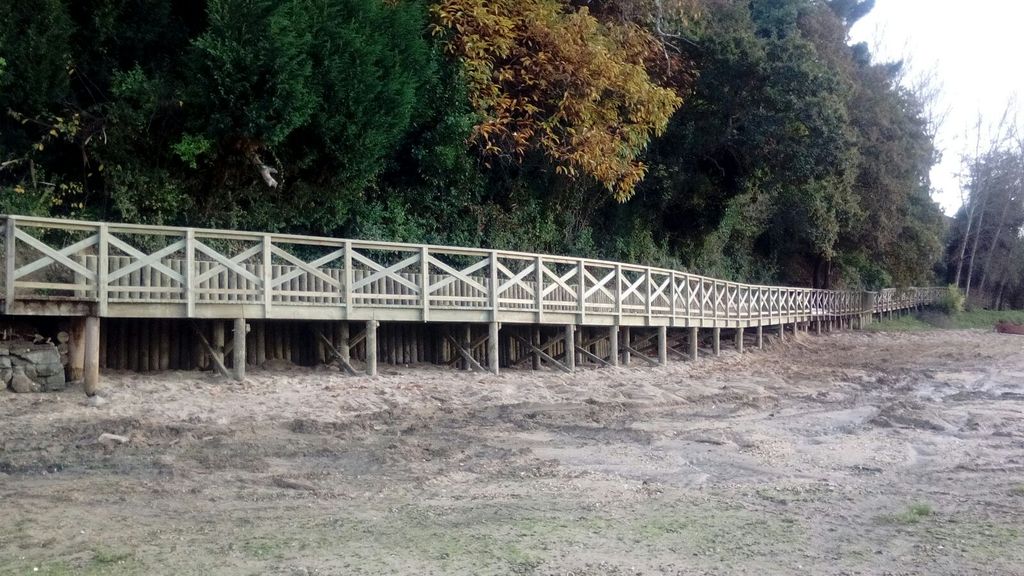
846	454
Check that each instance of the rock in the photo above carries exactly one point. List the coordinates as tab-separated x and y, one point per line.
95	401
22	383
54	382
40	363
44	370
111	439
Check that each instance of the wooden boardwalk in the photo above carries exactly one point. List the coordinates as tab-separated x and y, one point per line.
93	270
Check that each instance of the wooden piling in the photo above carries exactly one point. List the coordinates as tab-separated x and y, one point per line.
238	350
627	340
492	347
613	345
663	345
570	347
716	340
371	347
693	342
91	362
76	350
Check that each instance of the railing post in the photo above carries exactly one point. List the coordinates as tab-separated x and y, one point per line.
648	282
425	281
190	273
348	281
672	294
492	293
581	291
538	264
268	277
10	263
102	268
618	294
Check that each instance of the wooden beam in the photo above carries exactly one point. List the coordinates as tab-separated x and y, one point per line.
641	355
592	356
466	355
542	354
343	362
210	353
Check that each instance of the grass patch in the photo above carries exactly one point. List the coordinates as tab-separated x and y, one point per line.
985	318
912	515
102	556
1017	490
904	324
932	320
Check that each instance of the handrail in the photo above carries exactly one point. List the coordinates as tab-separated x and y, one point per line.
209	272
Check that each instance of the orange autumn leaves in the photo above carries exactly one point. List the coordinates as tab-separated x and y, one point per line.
545	77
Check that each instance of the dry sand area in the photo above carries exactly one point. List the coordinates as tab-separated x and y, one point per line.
850	453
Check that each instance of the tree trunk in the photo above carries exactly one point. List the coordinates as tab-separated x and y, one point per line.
992	247
974	247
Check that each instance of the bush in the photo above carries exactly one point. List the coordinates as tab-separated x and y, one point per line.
952	300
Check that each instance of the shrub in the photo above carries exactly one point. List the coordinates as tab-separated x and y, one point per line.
952	300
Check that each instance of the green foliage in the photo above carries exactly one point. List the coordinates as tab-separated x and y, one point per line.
191	147
952	301
251	71
793	157
35	46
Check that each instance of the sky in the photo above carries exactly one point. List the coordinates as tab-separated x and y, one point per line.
976	51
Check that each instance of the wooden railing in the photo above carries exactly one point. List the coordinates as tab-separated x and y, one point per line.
127	270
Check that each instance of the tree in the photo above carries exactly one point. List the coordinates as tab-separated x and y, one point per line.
546	78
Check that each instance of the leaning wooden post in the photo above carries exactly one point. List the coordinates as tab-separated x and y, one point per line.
663	345
492	347
238	349
760	337
92	355
693	342
613	345
570	347
371	347
739	340
716	340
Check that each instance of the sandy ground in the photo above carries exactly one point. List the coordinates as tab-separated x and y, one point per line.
850	453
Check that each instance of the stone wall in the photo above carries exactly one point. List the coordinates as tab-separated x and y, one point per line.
30	367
